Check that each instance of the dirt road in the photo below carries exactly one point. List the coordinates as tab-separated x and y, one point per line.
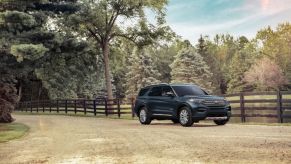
65	139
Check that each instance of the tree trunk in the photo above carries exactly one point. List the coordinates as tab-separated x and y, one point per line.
20	91
105	51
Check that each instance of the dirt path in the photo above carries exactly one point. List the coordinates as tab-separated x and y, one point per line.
65	139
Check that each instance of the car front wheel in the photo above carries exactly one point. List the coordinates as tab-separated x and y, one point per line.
144	117
185	117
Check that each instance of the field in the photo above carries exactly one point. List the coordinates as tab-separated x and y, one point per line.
66	139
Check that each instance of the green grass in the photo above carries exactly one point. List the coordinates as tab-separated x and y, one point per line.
12	131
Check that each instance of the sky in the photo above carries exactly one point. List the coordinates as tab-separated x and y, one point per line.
191	18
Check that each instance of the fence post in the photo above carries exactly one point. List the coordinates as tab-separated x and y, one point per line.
50	104
37	105
279	107
26	106
94	106
132	107
30	106
66	106
43	105
242	107
75	106
57	106
118	107
20	106
106	108
84	105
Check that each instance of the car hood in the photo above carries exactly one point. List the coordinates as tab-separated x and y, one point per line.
205	97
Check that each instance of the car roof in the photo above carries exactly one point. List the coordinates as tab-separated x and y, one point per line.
171	84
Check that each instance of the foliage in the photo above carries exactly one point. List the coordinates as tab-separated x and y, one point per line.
141	72
31	51
240	63
265	74
8	100
189	67
98	19
276	45
28	51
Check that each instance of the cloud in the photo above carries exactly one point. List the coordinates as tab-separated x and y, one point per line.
226	16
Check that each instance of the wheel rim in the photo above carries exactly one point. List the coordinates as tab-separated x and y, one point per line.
184	116
142	115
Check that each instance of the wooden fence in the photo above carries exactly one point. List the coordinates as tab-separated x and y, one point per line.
245	105
100	106
261	104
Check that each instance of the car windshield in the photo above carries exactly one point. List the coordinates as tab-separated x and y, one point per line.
188	90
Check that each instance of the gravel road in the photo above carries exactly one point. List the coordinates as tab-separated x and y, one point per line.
66	139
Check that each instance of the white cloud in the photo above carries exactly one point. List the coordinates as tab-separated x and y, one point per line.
258	14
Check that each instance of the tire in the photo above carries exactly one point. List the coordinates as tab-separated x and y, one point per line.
185	117
175	121
221	122
144	117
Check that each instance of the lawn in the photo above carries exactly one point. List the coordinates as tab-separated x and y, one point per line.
12	131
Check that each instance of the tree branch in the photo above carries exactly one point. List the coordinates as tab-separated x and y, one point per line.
93	34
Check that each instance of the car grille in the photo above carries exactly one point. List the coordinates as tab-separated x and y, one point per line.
216	103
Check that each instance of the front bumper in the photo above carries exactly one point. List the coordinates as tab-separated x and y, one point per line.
204	112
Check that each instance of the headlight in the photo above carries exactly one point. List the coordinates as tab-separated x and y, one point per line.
196	100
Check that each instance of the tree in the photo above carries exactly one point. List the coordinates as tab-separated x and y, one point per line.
8	100
189	67
141	73
276	46
208	51
30	51
99	19
239	64
265	75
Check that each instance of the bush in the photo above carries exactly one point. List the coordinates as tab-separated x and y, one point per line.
8	100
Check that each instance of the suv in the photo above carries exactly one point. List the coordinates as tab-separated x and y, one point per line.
184	103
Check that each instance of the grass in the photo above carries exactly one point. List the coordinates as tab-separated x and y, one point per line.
12	131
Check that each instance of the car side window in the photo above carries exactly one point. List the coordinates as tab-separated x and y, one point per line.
166	89
143	91
156	91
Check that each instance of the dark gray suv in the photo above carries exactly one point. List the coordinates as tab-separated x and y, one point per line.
181	103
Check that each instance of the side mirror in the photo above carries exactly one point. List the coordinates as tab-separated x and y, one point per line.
170	94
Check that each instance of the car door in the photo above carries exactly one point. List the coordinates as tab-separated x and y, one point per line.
168	102
154	99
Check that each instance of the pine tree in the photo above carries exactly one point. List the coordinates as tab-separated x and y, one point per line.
189	67
141	72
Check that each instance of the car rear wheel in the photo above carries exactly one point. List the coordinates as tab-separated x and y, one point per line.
144	117
185	117
221	122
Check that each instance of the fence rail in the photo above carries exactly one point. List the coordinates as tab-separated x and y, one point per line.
100	106
274	105
259	104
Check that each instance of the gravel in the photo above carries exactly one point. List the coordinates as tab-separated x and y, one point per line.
66	139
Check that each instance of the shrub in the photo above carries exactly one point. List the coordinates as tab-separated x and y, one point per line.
8	100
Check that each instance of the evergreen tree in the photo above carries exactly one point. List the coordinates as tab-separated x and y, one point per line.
189	67
30	51
208	50
141	72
